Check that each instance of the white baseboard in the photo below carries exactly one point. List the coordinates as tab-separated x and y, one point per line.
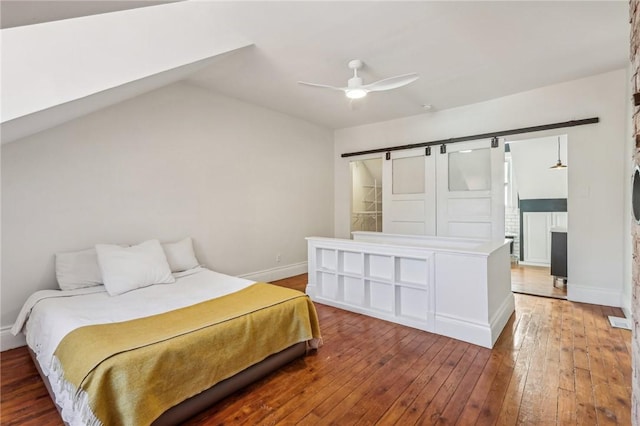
478	333
279	273
463	329
522	262
501	316
9	341
593	295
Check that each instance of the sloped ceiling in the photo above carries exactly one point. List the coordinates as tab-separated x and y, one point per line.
56	71
464	52
17	13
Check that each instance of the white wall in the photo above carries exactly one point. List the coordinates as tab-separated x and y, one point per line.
597	175
245	182
531	162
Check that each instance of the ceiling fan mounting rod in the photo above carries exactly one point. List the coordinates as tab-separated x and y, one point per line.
355	65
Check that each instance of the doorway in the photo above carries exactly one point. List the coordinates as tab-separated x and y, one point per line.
366	195
536	194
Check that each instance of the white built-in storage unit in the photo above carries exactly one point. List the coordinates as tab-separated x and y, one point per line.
455	287
382	280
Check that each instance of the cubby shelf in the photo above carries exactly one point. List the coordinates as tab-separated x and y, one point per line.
387	284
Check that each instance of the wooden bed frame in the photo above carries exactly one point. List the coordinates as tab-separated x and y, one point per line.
207	398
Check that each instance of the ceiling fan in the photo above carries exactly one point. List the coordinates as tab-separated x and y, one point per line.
355	88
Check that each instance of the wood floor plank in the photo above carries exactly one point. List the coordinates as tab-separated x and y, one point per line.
566	407
503	348
384	385
376	360
479	393
434	357
387	395
580	356
434	412
585	405
566	364
256	408
414	412
518	367
349	411
548	408
533	363
456	405
305	407
556	363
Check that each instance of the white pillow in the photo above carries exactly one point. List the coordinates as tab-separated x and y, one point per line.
128	268
78	269
180	255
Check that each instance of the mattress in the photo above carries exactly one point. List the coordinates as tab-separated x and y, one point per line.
50	315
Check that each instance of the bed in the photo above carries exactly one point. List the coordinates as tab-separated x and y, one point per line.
161	353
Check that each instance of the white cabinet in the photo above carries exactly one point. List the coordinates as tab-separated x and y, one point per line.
450	286
536	233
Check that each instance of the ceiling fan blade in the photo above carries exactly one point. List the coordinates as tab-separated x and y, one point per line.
391	82
322	86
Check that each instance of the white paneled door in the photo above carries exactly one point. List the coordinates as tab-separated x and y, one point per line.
470	188
457	193
409	198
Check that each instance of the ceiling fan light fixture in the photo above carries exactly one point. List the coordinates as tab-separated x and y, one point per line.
355	93
356	89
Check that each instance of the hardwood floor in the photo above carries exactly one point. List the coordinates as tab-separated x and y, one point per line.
536	280
556	362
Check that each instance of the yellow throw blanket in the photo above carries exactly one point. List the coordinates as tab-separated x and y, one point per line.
135	370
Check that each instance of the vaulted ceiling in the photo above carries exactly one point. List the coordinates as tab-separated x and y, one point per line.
464	52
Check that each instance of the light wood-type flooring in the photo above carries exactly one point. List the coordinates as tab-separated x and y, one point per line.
536	280
556	362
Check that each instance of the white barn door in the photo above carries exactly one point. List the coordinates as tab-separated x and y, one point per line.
470	190
409	193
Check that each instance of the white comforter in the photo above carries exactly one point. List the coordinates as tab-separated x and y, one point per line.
49	315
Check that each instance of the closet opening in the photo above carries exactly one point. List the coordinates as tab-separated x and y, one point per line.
366	195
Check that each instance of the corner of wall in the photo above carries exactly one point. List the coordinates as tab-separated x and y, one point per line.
9	341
